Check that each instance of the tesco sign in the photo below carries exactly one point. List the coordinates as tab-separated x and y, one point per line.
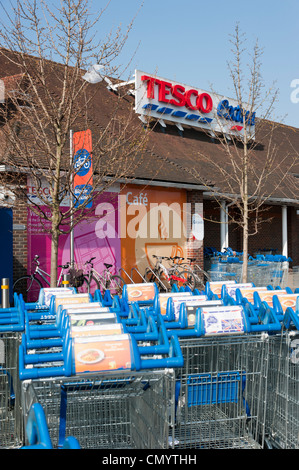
177	95
171	101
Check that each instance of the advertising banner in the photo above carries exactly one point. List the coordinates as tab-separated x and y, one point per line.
153	222
82	151
95	236
102	353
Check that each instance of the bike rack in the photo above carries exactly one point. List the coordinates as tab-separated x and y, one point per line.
159	280
122	269
139	274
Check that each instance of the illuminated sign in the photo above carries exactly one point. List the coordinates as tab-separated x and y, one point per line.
169	101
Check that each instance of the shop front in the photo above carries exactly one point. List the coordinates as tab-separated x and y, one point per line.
127	226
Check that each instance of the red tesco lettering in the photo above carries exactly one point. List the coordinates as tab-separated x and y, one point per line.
177	95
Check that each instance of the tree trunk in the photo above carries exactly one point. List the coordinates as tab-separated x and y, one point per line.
54	245
245	243
245	206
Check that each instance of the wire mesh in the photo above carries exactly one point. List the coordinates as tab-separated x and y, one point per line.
11	430
105	412
282	420
222	393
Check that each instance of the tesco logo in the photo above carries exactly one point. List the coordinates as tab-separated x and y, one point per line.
177	95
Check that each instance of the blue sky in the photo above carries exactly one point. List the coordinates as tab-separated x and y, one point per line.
188	41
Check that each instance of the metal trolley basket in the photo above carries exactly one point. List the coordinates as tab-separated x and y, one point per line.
106	387
112	411
221	392
282	420
11	426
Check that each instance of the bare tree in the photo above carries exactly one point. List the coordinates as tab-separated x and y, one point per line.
245	179
50	50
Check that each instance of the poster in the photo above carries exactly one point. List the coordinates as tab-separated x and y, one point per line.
223	321
91	329
95	236
102	353
153	222
140	292
267	296
126	226
163	299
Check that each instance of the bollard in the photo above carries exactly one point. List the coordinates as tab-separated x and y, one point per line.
66	280
5	292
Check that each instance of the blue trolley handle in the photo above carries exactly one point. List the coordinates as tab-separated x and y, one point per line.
37	429
268	319
151	332
174	358
290	316
163	344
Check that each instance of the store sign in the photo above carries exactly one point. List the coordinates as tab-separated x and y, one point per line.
193	107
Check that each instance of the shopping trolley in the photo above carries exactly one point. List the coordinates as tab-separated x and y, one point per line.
101	400
111	411
11	328
282	419
221	393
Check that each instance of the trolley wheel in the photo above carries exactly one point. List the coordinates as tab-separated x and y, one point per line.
187	279
29	287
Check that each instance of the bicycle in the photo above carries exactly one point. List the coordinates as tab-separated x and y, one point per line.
105	281
30	285
166	278
200	274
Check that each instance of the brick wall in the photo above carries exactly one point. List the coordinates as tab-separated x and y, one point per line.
19	239
293	235
270	232
194	251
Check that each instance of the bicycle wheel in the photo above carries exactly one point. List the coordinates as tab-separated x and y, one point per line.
88	287
29	287
186	278
153	276
149	276
116	285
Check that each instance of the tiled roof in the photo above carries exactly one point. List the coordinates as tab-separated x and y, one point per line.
181	158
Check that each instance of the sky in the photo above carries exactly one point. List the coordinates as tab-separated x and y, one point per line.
188	41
